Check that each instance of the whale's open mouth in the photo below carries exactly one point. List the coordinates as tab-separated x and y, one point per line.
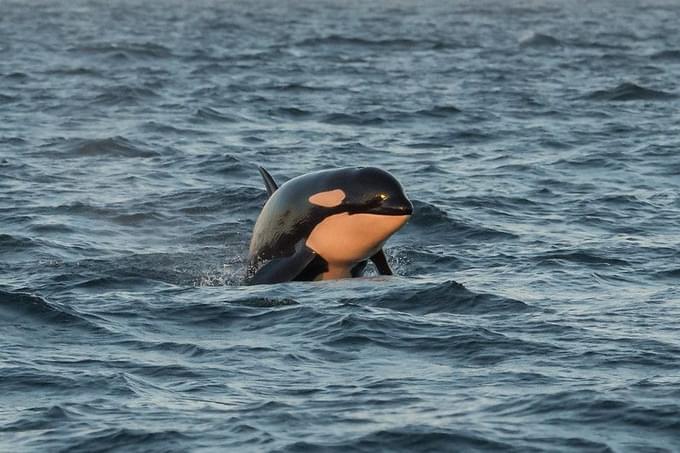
397	206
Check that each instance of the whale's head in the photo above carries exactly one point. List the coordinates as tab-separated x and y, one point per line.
364	208
367	190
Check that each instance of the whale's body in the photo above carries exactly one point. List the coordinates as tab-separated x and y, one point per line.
326	225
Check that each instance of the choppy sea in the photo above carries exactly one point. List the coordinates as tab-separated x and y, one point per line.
537	302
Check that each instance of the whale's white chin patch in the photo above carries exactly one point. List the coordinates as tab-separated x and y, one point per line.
344	240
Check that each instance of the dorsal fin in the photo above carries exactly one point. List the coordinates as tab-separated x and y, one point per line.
269	182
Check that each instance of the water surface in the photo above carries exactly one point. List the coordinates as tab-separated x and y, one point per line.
537	300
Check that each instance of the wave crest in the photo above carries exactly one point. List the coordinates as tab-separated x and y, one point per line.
110	147
447	297
629	91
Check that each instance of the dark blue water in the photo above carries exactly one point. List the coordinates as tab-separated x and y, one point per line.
537	302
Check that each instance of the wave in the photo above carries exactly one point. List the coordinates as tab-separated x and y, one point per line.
11	141
108	147
427	214
208	68
590	407
22	307
438	111
51	228
604	46
541	40
9	243
207	113
621	200
672	274
430	319
126	439
18	76
124	94
435	220
235	199
75	71
654	150
580	256
223	164
533	39
7	99
666	55
387	43
139	368
80	208
122	279
299	88
168	129
291	112
245	308
42	418
369	118
25	379
630	92
430	169
145	50
128	272
354	119
421	261
460	343
137	218
408	438
446	297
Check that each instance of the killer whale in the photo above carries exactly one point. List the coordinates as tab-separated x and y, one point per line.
326	225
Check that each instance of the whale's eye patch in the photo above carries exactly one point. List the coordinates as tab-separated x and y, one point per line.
328	199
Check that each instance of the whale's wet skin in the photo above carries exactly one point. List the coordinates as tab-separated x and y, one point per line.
326	225
535	300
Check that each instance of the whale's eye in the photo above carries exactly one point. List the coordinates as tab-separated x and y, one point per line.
377	200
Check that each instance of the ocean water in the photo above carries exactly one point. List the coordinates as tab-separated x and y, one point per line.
536	306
